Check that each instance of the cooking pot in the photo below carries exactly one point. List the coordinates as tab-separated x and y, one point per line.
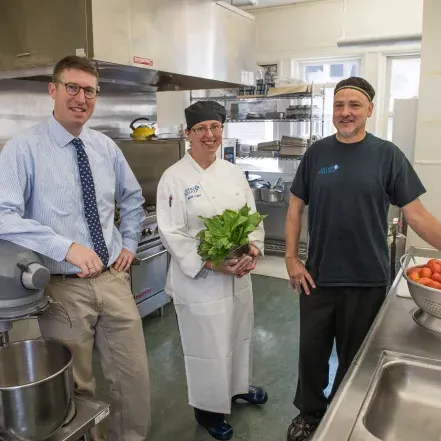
36	387
142	132
271	194
256	186
256	192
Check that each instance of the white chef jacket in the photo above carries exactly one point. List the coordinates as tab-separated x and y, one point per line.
215	310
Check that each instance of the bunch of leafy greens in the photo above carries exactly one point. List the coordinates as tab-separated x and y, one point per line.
225	232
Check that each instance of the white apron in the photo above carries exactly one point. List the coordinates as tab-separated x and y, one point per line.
215	314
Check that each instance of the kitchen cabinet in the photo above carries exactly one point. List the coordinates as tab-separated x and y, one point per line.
40	33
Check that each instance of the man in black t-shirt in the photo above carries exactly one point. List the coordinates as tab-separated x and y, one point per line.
348	180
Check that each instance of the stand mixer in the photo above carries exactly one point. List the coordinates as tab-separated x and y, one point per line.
37	400
22	281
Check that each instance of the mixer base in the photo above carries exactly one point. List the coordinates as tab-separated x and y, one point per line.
83	416
427	321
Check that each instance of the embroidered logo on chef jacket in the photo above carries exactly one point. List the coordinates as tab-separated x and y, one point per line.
192	192
330	169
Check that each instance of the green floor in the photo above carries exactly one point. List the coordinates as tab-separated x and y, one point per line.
276	337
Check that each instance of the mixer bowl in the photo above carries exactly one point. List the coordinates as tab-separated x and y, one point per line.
428	299
36	387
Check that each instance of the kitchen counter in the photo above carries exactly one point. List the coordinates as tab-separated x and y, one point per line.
394	333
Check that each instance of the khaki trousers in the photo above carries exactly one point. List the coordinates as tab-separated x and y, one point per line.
103	312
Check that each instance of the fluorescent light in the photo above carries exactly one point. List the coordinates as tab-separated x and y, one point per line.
386	40
240	3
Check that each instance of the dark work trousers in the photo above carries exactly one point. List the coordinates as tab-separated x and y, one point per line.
343	313
207	418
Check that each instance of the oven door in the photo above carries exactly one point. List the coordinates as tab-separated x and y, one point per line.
149	271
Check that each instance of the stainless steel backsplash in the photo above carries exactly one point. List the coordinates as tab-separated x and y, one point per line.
26	103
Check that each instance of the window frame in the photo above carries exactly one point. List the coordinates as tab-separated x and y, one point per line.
301	64
387	89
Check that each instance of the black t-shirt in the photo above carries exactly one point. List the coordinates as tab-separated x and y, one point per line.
348	188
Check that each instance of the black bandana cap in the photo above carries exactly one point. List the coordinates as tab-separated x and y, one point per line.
359	84
204	111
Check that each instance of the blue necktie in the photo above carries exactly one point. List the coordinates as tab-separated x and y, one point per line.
90	205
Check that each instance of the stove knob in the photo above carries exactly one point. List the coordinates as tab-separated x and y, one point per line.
34	276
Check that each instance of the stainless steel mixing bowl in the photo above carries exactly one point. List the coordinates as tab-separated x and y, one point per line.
36	387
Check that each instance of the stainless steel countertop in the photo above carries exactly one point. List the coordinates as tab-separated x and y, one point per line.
394	330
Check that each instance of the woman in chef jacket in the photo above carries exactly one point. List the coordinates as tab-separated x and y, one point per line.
214	303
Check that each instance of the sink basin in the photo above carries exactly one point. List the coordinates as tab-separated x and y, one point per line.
404	401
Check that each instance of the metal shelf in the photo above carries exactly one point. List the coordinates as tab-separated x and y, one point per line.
275	156
278	246
272	204
246	98
251	120
274	246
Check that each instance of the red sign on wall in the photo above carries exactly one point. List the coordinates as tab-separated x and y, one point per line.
144	61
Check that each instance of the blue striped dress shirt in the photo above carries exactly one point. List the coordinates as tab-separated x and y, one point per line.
41	202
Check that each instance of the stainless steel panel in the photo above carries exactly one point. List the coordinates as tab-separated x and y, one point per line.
114	46
144	246
149	277
26	103
149	160
199	38
274	224
39	33
153	44
153	303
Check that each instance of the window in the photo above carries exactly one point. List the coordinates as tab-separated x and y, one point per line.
250	133
327	73
403	79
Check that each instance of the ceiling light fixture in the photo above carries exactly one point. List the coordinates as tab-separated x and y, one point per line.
241	3
387	40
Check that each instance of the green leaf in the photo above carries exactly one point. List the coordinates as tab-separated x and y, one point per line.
226	231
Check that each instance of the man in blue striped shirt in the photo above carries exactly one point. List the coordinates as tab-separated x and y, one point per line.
58	185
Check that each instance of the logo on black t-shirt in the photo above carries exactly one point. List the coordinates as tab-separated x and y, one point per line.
327	170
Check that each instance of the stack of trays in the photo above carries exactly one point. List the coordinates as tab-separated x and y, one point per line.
291	146
269	146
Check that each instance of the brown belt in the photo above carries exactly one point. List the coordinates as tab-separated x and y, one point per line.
75	276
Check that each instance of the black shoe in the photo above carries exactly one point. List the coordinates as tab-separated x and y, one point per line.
215	424
221	431
256	395
300	429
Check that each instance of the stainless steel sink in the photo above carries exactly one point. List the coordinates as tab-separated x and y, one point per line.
403	402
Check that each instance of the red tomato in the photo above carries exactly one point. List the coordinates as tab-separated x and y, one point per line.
426	272
434	284
435	267
414	274
436	277
425	281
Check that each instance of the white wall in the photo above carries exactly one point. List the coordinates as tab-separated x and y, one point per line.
310	31
428	135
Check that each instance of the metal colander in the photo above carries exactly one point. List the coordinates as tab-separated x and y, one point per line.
428	299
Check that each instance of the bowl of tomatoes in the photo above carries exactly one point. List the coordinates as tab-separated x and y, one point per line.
424	282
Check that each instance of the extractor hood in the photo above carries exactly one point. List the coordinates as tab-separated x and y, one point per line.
139	45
